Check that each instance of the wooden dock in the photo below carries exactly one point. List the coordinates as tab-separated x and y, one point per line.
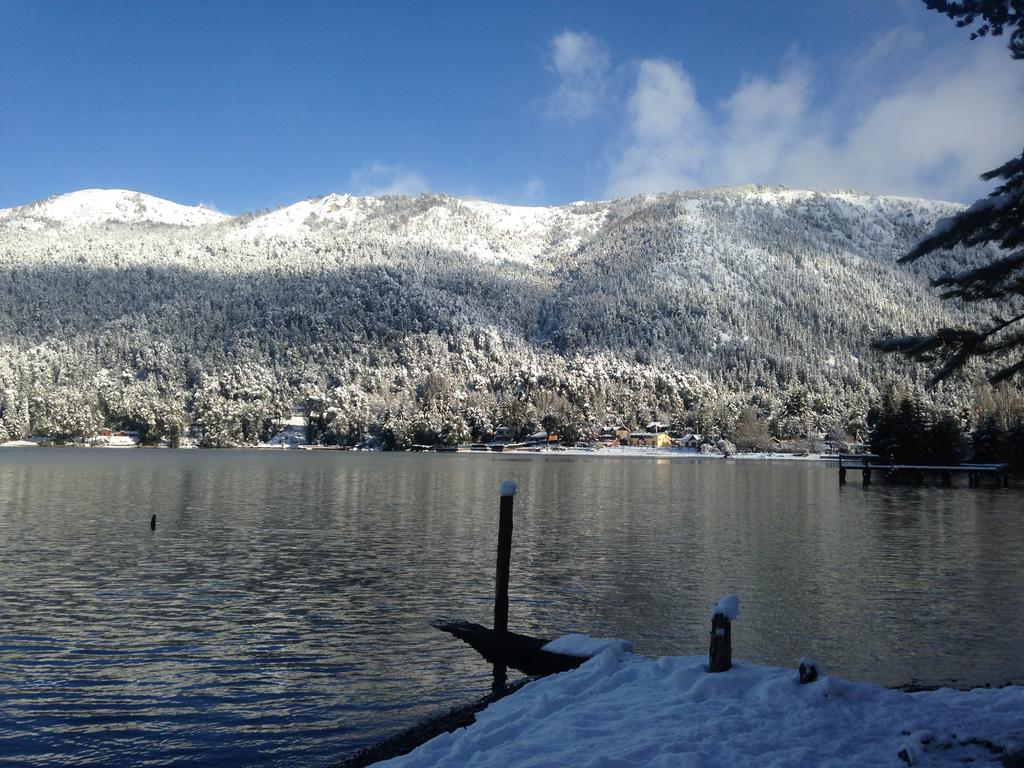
873	467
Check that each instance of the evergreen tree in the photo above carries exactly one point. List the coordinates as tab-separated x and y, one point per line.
1015	444
992	17
946	444
987	441
884	434
995	220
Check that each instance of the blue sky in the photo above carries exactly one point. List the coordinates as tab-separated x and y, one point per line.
245	106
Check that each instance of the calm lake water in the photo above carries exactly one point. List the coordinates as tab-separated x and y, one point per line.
278	614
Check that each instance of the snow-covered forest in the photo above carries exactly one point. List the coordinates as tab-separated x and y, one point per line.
436	319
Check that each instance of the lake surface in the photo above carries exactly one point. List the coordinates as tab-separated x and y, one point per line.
278	614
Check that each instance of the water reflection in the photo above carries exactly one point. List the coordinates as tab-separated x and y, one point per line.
278	613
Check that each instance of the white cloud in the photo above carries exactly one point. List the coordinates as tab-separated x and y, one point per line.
925	130
668	133
932	136
581	62
533	190
763	121
381	179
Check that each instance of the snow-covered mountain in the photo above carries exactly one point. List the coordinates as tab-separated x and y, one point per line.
482	230
89	207
629	308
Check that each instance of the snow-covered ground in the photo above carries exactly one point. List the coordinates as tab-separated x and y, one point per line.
620	710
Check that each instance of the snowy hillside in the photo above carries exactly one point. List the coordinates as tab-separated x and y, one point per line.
455	315
89	207
482	230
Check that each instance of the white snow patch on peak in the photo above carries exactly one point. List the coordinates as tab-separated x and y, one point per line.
578	644
510	217
97	206
331	210
781	195
778	194
728	606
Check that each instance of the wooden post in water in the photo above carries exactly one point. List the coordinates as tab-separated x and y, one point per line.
508	492
720	651
842	472
152	523
501	573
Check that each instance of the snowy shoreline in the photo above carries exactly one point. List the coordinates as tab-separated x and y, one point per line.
660	453
622	710
617	452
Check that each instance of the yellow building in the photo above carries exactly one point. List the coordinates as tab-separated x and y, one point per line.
650	439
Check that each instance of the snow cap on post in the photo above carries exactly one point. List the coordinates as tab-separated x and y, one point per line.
728	606
509	487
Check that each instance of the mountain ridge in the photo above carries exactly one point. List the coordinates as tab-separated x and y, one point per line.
465	312
93	203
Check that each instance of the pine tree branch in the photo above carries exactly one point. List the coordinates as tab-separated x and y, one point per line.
995	16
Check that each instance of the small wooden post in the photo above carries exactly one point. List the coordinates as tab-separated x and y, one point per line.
808	671
499	677
842	472
867	477
508	492
152	523
720	652
947	478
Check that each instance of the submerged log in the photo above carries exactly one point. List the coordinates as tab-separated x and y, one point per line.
520	652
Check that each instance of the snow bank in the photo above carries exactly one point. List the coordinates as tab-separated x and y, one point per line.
585	645
624	710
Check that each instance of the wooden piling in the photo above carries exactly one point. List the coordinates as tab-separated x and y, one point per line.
508	490
499	676
152	523
720	652
808	671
